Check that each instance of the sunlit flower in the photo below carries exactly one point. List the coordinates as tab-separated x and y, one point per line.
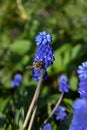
82	73
45	54
82	70
43	38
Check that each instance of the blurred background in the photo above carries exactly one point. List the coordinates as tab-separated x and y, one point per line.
20	22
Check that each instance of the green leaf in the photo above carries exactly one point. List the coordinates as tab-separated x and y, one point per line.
2	120
73	83
25	60
75	51
68	101
10	127
53	98
20	47
3	103
62	57
19	118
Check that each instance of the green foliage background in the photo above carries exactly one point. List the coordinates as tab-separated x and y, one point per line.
20	21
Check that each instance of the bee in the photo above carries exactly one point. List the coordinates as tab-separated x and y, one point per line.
36	65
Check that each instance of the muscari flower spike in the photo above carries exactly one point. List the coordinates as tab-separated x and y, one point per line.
44	54
43	38
63	85
82	72
16	81
60	113
79	121
47	127
18	77
82	90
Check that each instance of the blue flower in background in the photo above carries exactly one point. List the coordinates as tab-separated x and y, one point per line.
75	127
63	85
79	121
15	84
60	113
18	77
16	81
82	70
82	90
47	127
43	38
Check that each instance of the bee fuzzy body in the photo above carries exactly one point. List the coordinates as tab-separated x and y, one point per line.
36	65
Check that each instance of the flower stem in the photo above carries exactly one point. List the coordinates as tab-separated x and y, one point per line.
32	118
54	109
34	100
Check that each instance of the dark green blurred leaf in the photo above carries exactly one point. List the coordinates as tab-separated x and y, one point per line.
66	123
2	121
3	103
19	118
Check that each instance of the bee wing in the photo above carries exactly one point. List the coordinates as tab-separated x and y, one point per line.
29	67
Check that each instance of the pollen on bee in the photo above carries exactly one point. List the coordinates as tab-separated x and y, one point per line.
38	65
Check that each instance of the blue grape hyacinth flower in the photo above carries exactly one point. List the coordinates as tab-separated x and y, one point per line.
16	81
47	127
82	90
60	113
79	121
18	77
44	56
43	38
63	85
36	73
82	70
82	73
44	53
